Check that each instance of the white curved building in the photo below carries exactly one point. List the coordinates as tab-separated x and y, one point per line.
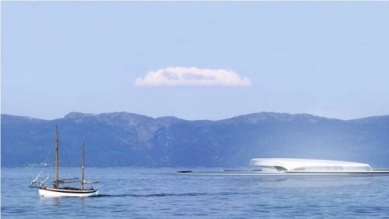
289	165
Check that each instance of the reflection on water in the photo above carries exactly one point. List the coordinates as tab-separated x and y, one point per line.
56	201
312	181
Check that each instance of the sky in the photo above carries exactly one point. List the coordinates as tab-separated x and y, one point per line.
195	60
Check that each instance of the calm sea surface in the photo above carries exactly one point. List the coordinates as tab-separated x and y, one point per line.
159	193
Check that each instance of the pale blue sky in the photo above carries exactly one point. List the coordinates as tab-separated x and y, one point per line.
324	58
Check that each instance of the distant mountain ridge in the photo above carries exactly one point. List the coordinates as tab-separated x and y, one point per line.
127	139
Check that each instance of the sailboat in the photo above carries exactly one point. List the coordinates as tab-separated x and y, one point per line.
62	191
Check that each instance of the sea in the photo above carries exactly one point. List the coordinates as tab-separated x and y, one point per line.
126	192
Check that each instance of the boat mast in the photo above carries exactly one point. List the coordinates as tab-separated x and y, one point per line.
82	166
56	158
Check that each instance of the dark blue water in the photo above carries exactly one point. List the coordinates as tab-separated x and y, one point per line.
159	193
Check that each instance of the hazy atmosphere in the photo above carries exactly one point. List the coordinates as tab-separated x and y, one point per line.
195	60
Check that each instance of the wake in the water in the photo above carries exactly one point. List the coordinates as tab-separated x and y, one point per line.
166	194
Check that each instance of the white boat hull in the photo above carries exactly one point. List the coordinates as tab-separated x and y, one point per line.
51	192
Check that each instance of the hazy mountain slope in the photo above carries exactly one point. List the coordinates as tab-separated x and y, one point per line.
123	139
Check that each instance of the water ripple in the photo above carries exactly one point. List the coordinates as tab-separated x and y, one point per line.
151	193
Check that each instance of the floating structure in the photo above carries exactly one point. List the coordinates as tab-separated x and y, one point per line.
289	165
298	167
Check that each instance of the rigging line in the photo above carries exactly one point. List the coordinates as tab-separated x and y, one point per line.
48	153
65	164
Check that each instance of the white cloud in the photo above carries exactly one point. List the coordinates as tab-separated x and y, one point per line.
182	76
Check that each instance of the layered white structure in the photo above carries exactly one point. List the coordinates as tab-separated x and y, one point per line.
289	165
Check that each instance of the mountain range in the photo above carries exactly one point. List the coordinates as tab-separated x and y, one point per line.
127	139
